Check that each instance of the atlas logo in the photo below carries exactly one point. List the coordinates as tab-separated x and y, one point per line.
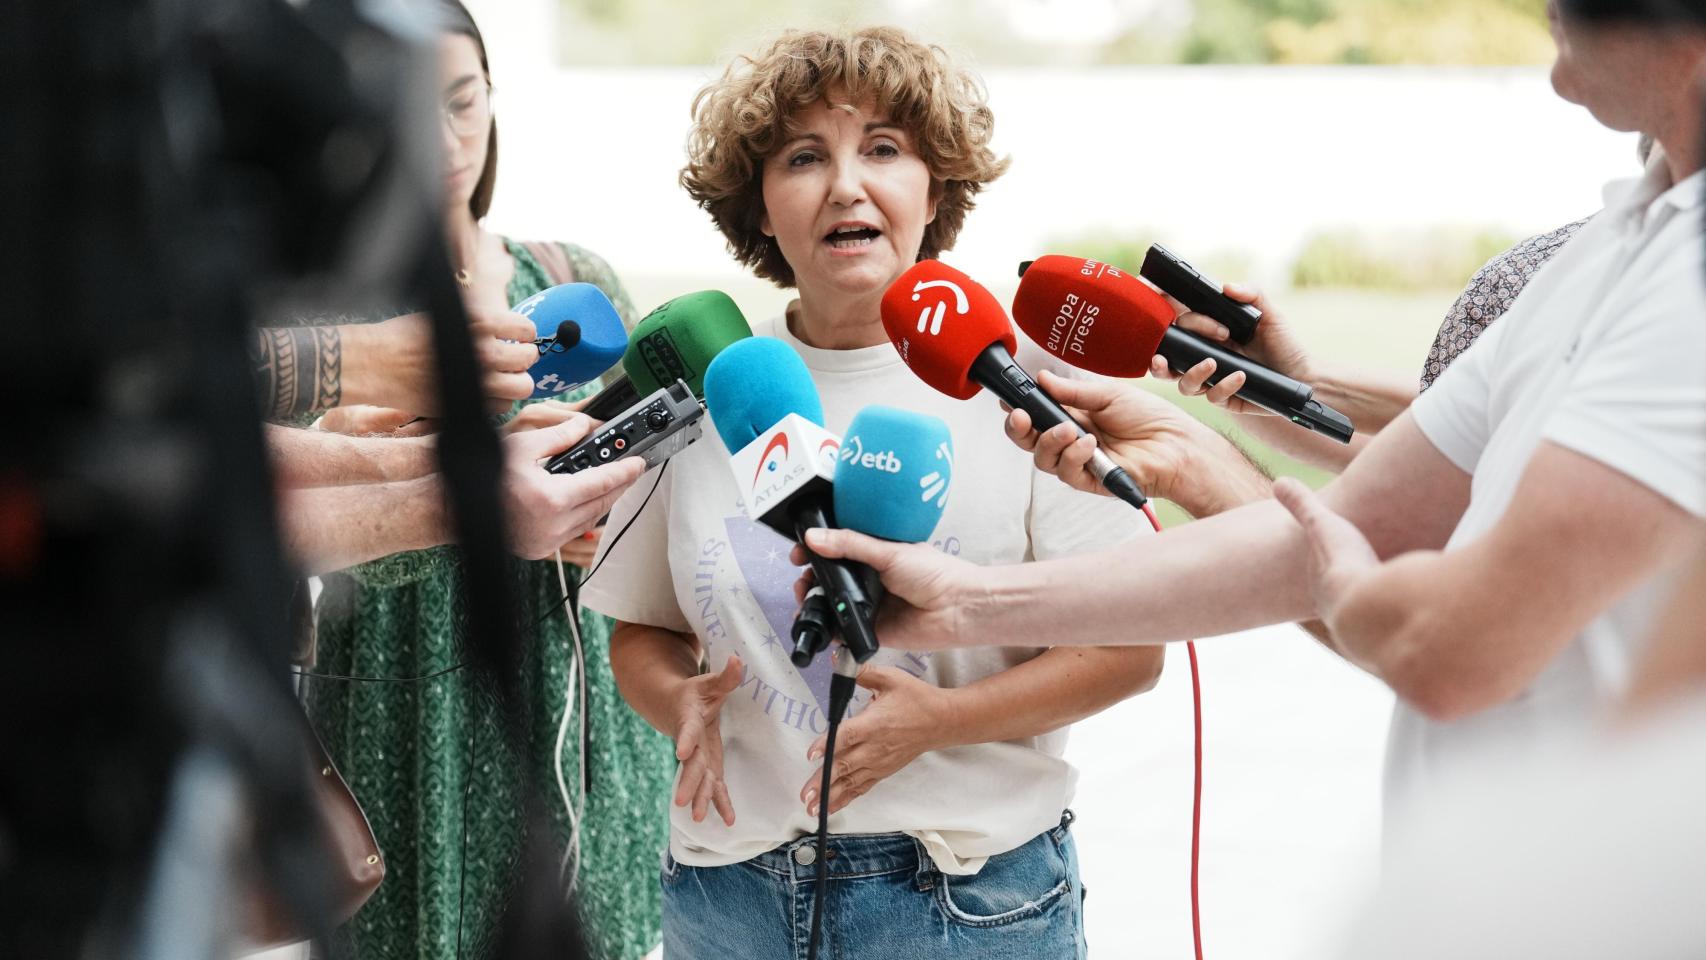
931	316
775	454
934	485
854	454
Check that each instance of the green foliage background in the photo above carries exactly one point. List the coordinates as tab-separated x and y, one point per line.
1455	32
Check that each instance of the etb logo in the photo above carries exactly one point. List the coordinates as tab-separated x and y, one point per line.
853	454
930	318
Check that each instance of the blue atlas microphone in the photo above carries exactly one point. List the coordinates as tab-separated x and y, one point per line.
580	336
891	481
766	409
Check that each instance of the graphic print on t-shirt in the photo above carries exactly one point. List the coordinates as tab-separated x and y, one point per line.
762	557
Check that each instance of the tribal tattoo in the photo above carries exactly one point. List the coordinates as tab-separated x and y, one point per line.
298	369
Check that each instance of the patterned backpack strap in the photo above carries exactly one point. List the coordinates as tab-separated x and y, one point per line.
551	256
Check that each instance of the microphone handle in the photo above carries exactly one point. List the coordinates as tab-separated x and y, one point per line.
1263	386
853	608
613	399
996	371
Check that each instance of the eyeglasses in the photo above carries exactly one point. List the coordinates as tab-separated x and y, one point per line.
469	112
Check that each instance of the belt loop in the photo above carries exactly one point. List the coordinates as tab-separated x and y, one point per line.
924	878
1067	818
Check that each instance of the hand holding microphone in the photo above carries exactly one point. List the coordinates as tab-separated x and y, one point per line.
1168	452
1274	345
544	510
766	410
1099	318
954	335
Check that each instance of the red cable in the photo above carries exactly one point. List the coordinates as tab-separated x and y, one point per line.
1196	797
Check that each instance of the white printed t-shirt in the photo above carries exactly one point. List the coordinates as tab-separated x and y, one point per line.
694	562
1604	354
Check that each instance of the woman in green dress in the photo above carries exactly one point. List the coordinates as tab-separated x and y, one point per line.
426	757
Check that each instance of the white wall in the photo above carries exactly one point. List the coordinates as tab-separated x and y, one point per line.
1215	158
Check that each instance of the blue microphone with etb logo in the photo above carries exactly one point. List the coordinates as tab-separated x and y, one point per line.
893	475
891	481
580	336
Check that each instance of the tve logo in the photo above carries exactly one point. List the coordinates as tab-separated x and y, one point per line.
854	455
932	314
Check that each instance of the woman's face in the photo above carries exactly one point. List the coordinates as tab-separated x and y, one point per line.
465	120
847	200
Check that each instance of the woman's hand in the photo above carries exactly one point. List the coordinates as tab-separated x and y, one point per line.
1275	345
905	718
580	550
927	590
1168	453
391	363
699	742
1340	557
545	413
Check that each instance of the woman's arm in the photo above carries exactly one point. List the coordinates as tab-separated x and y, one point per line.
316	458
657	672
1371	399
1457	633
908	717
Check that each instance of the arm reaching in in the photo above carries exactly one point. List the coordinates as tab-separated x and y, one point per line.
1371	400
330	528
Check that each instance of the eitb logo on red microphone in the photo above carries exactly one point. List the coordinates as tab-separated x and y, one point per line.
930	318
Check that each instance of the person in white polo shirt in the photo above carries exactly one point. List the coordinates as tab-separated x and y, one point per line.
1496	553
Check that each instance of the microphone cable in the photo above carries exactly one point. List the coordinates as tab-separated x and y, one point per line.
1196	792
569	604
841	687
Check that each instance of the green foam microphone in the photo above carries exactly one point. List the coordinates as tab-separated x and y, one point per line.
676	341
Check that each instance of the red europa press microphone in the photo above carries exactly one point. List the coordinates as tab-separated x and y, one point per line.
1102	319
956	337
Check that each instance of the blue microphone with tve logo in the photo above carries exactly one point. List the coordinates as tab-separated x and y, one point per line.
766	409
891	481
580	336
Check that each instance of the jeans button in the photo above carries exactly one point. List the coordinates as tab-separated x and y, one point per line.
805	855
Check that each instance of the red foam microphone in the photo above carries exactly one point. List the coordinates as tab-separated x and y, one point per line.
1102	319
953	333
1094	316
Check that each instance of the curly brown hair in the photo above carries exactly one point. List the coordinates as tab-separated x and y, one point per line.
744	117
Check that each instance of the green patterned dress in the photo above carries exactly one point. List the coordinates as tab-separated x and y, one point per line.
411	751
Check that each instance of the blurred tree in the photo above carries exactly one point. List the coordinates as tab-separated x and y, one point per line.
1470	32
1056	32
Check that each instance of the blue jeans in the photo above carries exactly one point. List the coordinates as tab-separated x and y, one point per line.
885	899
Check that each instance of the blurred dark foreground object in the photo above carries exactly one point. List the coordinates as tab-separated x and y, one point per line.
1638	10
177	171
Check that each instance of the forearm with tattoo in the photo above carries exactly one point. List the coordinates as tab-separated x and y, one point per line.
298	369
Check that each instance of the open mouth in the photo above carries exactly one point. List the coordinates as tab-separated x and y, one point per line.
852	237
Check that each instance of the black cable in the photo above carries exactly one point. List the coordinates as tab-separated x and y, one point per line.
572	598
313	675
574	593
841	687
822	840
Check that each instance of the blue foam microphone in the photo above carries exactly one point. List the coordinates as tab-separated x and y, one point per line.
891	481
580	336
753	384
766	409
893	475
